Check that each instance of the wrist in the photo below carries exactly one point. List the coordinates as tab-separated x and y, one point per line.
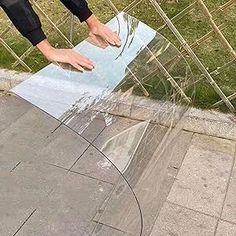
92	21
46	48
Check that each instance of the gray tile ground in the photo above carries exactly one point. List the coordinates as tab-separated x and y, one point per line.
69	208
80	122
64	148
23	139
229	211
94	129
202	180
40	199
175	220
12	211
98	229
12	108
24	190
121	211
119	124
93	163
226	229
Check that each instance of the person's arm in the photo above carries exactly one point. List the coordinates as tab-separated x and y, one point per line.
25	19
27	22
80	9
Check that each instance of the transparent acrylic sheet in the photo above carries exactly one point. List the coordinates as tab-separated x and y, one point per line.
147	80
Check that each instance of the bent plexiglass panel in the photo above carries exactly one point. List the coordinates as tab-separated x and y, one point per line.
129	109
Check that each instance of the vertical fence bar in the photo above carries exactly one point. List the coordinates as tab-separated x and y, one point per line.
192	55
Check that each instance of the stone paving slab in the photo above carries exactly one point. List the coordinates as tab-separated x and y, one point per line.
118	125
12	108
158	178
88	128
11	78
94	129
211	123
97	229
180	147
63	149
226	229
229	211
214	144
202	180
127	218
95	164
175	220
144	153
23	139
22	191
12	211
66	212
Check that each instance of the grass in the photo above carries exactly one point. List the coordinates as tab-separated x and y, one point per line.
192	27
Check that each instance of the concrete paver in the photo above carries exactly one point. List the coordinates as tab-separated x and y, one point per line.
63	149
226	229
203	177
69	208
214	144
12	211
120	210
94	129
118	125
22	191
95	164
211	123
151	187
12	108
175	220
91	129
97	229
229	211
23	139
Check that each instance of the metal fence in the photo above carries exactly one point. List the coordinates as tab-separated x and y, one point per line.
60	26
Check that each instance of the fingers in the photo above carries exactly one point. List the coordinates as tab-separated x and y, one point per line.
113	38
117	39
85	62
76	66
82	62
86	65
71	57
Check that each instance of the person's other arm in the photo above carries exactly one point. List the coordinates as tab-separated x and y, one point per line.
80	9
25	19
28	24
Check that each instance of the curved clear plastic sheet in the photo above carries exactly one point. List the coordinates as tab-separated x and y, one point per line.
129	111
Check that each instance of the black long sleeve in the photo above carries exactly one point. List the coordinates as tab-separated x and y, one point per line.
79	8
24	18
27	21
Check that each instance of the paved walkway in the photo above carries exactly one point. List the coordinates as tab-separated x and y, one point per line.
53	182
